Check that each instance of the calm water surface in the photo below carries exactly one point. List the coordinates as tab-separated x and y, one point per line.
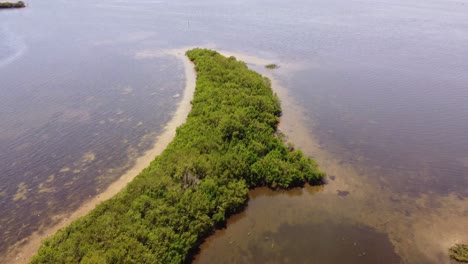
382	88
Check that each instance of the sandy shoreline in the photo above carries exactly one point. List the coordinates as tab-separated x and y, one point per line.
23	250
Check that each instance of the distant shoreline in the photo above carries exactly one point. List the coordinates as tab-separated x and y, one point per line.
5	5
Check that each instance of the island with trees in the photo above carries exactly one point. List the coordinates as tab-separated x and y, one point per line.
227	145
19	4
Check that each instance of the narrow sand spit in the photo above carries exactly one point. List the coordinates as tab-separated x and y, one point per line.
24	250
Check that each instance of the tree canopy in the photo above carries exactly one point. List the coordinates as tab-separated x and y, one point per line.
459	252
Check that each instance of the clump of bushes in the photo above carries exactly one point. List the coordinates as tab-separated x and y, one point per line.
459	252
272	66
19	4
226	146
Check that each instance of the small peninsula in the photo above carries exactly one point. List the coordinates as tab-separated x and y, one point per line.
19	4
228	145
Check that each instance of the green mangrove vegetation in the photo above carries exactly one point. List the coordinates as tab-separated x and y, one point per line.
272	66
227	145
19	4
459	253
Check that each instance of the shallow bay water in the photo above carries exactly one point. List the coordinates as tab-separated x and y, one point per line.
279	227
376	91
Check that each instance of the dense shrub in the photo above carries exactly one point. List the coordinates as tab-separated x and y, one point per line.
459	252
271	66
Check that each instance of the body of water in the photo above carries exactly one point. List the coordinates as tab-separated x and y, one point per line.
377	92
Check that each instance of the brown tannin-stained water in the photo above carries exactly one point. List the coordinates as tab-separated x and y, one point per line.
375	91
274	229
